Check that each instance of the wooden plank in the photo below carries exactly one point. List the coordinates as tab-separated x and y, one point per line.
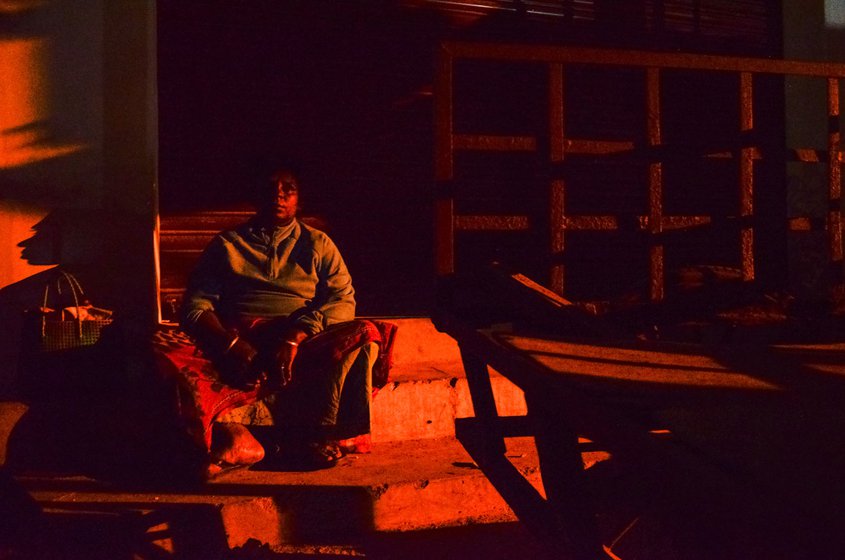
191	241
542	307
641	59
648	372
214	221
551	298
205	220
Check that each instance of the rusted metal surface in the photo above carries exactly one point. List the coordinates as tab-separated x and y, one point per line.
805	223
557	125
809	156
665	153
746	174
491	223
834	174
802	155
659	152
557	188
641	223
494	143
595	223
598	147
746	148
655	186
684	222
558	243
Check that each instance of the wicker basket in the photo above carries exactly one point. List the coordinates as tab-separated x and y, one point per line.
64	334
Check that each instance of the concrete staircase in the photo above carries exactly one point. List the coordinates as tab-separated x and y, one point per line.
418	478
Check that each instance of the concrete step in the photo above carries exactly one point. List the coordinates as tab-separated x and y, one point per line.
401	486
126	499
427	392
417	478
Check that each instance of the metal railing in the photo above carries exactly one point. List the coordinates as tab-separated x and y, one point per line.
745	148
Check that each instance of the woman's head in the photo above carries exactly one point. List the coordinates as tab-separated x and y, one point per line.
277	196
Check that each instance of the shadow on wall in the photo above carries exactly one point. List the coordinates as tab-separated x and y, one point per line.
54	207
70	239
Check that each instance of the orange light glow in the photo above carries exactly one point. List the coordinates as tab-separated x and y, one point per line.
25	138
24	98
11	7
636	366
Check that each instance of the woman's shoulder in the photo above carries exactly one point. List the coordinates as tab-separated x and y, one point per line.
231	235
319	240
312	233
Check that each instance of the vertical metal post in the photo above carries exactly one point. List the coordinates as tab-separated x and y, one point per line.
557	186
655	187
746	175
834	215
444	164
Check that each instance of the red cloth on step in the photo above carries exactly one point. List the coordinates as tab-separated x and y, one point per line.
203	398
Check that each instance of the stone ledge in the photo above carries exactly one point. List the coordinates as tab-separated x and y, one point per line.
401	486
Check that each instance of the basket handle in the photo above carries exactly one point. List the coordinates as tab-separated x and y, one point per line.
76	292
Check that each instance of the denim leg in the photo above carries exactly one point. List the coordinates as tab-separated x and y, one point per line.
354	410
340	394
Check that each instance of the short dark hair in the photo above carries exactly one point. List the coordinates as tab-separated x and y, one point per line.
264	171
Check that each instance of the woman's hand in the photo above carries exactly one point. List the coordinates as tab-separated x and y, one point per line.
237	364
234	358
286	354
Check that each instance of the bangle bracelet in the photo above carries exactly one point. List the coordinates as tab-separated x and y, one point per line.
292	343
231	344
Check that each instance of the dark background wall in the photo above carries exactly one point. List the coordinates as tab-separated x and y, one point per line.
345	89
812	31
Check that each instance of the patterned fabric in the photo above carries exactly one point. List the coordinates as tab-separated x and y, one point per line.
203	398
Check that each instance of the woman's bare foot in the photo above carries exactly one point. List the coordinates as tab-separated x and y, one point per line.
233	444
362	443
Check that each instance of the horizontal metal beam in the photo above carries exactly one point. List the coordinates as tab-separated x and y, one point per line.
658	152
491	223
482	142
641	223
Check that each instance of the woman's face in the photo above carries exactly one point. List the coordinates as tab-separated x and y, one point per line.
279	200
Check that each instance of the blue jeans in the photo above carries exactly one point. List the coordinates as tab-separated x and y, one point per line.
333	403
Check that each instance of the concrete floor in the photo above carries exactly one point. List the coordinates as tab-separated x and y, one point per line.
744	475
